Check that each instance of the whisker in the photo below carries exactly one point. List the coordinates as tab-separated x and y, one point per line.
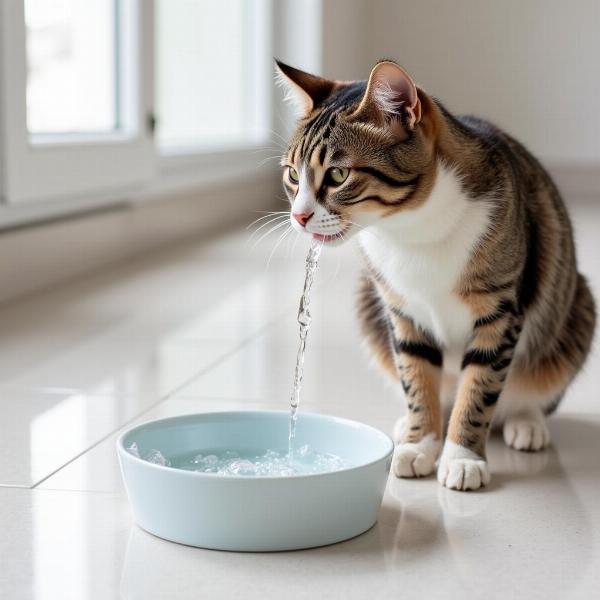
274	228
267	159
269	214
355	223
362	228
273	132
272	220
274	144
287	249
338	264
294	244
266	149
281	238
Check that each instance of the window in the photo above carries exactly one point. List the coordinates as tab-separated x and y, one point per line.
52	50
102	98
72	66
209	78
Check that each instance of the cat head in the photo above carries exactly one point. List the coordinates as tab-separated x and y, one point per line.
362	150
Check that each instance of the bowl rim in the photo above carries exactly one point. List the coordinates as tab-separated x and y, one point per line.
123	452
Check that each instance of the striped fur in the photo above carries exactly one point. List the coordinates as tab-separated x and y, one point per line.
471	273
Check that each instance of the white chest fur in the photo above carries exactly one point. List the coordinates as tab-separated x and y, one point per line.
422	254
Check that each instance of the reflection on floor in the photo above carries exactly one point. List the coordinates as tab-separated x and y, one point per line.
206	327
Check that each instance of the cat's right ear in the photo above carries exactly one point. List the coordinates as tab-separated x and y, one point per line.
306	91
391	98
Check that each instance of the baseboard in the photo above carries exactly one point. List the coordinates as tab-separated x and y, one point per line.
43	255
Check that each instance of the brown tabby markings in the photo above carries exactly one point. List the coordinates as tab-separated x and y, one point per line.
518	279
419	366
533	314
485	366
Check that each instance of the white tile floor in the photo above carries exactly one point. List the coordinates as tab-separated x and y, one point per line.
206	327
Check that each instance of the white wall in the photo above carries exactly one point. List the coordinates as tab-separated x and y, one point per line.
345	38
531	66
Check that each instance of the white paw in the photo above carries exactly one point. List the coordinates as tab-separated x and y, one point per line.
416	459
462	469
400	429
528	433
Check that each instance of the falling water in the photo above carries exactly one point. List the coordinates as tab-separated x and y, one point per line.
304	319
265	462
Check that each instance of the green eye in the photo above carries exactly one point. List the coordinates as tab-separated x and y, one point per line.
293	175
338	175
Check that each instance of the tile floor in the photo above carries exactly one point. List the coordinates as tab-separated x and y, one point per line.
203	327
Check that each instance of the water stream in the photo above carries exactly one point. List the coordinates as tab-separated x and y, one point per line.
304	319
264	462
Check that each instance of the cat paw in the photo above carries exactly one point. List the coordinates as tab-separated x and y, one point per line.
526	433
416	459
462	469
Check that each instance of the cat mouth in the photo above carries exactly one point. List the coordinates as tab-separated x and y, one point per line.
331	239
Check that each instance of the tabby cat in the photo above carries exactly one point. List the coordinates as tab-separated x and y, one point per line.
471	297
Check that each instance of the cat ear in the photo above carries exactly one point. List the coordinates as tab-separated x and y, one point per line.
306	91
390	93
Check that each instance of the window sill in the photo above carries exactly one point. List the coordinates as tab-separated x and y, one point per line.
175	174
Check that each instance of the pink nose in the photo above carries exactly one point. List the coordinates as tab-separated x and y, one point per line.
303	218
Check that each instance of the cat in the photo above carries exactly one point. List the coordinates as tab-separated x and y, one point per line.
471	298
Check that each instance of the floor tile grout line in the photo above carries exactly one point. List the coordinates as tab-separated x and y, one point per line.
169	395
70	490
13	486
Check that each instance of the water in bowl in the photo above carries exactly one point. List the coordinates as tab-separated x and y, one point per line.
248	462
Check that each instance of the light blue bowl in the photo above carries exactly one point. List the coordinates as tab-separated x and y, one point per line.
255	513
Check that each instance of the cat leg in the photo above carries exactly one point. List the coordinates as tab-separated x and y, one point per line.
447	395
485	365
400	428
419	364
535	385
528	397
522	410
526	431
376	327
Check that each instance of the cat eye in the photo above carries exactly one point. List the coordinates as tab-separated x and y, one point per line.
337	175
293	175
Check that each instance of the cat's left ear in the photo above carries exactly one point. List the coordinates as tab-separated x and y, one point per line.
391	96
306	91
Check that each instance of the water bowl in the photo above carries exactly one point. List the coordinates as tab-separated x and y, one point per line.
251	513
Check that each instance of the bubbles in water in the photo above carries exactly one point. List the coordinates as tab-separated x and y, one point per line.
133	449
252	463
266	463
242	466
207	464
156	457
302	451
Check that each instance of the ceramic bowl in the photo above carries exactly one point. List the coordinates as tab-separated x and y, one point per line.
248	513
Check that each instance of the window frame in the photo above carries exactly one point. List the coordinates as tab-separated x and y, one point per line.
42	168
150	173
200	166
